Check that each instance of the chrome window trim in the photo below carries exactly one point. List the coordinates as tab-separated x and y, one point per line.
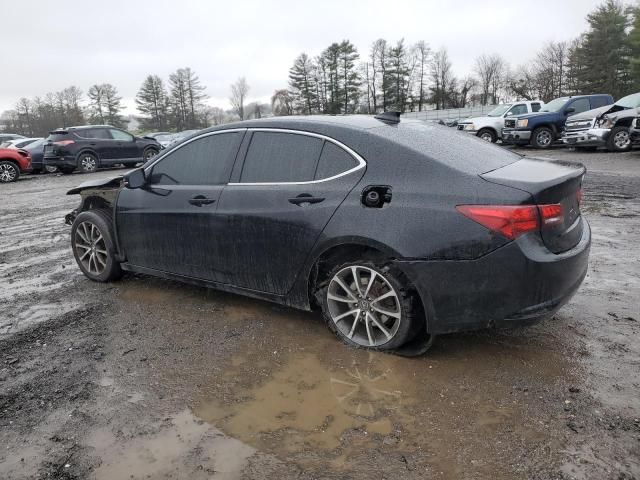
354	155
178	147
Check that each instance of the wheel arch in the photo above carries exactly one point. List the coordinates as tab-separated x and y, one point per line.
87	150
624	122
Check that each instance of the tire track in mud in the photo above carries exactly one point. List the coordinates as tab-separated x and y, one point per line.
36	264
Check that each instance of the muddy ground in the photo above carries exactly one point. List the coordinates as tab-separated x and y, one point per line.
148	378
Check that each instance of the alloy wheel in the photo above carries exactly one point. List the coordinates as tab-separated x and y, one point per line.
621	140
487	137
88	163
543	138
91	249
149	154
364	306
8	172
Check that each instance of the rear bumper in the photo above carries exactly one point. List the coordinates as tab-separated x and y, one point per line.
69	162
519	283
515	136
589	137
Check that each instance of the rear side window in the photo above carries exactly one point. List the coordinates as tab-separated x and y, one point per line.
333	161
100	133
203	161
535	107
276	157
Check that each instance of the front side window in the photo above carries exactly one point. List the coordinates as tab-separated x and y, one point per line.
535	107
597	102
120	135
518	109
580	105
275	157
204	161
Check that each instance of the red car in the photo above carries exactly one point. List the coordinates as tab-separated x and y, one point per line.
12	163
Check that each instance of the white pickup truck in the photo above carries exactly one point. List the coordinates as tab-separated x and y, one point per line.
490	126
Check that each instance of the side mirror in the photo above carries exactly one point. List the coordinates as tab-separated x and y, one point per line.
569	111
135	179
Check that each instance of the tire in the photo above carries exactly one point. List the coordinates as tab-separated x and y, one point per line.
9	172
92	242
87	162
488	135
619	140
542	137
149	153
51	169
358	321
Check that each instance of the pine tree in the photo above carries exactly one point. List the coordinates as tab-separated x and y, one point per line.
634	42
112	106
302	85
349	80
96	104
605	52
398	73
152	101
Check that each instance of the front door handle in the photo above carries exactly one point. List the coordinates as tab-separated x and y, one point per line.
200	200
305	198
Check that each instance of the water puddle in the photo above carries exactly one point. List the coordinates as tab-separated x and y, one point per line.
302	395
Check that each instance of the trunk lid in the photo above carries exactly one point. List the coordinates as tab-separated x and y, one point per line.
549	182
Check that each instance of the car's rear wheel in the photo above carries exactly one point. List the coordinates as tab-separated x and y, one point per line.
92	242
51	169
369	306
619	139
149	153
9	172
542	137
88	162
487	135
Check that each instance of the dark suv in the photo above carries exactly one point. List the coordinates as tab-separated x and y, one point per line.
93	146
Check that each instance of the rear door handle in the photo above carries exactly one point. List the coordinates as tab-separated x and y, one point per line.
200	200
305	198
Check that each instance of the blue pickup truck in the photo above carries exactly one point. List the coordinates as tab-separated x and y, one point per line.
542	128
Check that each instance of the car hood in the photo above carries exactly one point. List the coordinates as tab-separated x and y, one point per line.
534	115
109	183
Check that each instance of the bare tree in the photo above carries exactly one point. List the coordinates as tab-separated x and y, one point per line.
422	55
491	71
441	78
239	91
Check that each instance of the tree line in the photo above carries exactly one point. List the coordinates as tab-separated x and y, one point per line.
396	76
389	76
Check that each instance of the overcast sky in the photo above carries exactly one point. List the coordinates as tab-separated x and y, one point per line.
51	45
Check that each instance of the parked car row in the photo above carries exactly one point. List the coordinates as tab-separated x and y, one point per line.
581	121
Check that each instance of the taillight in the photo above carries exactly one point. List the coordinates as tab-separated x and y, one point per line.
512	221
63	143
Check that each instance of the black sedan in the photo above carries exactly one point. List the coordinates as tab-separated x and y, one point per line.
396	230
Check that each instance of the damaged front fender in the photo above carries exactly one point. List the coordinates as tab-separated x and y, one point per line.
114	182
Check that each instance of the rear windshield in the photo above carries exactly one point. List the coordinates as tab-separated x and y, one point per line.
57	136
446	145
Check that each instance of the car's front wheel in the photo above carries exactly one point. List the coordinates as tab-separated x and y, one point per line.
88	162
149	153
92	241
369	306
542	137
487	135
9	172
619	140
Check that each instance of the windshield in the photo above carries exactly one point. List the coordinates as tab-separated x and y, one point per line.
499	110
555	105
630	101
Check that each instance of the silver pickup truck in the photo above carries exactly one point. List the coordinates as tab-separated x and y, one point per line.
489	127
